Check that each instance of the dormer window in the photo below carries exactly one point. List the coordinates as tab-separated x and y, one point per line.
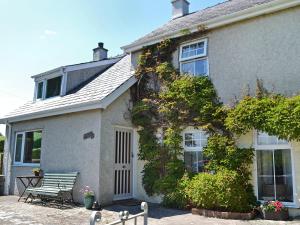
193	58
40	89
49	88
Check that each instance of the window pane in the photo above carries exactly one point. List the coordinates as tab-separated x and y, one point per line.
201	67
40	90
188	68
53	87
196	68
283	175
265	139
265	177
193	50
190	160
19	139
201	162
194	161
32	150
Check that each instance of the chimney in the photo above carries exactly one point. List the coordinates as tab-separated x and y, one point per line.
180	8
100	52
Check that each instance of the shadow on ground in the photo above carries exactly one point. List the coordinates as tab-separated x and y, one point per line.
155	211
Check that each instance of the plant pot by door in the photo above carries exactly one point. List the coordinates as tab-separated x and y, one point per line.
88	201
282	215
36	173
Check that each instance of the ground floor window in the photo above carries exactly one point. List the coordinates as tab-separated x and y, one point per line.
274	173
28	147
193	143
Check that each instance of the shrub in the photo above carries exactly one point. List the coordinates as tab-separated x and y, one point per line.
222	152
2	140
178	198
224	191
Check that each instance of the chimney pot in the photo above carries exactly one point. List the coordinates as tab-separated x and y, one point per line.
180	8
100	52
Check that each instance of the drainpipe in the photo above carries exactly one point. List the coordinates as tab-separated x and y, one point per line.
7	158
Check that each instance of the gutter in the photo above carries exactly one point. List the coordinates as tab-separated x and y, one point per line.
249	13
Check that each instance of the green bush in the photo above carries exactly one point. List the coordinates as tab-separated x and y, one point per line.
2	140
178	198
222	152
224	191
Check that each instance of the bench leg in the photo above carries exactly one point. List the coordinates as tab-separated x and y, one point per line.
28	196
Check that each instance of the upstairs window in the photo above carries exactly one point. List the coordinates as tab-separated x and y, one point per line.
28	147
53	87
193	143
40	90
193	58
49	88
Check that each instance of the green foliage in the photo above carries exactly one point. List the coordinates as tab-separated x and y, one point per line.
178	198
224	191
192	101
224	154
2	141
276	115
165	103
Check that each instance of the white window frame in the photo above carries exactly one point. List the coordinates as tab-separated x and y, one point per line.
21	163
205	41
192	149
196	57
259	147
62	87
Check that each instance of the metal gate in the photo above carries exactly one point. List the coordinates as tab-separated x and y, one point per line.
123	164
124	216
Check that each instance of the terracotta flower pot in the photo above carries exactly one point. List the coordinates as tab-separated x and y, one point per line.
282	215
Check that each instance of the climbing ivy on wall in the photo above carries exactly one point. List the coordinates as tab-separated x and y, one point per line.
165	103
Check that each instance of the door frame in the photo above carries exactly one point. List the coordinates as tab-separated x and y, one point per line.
132	161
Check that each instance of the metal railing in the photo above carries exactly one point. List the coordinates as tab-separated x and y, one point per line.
123	216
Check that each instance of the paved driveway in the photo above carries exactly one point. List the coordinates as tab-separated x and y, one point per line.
13	212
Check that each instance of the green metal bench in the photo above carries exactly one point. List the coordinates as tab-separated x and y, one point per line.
58	186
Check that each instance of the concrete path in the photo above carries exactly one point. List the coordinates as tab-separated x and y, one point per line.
13	212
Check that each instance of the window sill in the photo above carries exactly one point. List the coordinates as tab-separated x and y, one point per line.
26	165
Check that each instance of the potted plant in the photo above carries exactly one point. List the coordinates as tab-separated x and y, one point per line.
89	197
274	210
36	171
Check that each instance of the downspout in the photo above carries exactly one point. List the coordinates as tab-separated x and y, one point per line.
7	158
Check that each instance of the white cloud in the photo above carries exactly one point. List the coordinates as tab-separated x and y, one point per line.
48	33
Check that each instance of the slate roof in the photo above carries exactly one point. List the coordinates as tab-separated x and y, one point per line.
95	91
199	17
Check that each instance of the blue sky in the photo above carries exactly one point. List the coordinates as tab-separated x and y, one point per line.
38	35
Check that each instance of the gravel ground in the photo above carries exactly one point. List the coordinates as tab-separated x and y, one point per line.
14	212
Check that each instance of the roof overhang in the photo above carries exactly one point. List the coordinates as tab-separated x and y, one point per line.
80	66
220	21
98	104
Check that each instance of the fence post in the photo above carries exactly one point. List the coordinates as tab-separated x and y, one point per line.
144	207
95	217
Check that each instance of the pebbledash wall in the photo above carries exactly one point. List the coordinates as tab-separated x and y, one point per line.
63	149
266	47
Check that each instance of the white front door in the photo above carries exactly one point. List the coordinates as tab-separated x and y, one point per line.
123	164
